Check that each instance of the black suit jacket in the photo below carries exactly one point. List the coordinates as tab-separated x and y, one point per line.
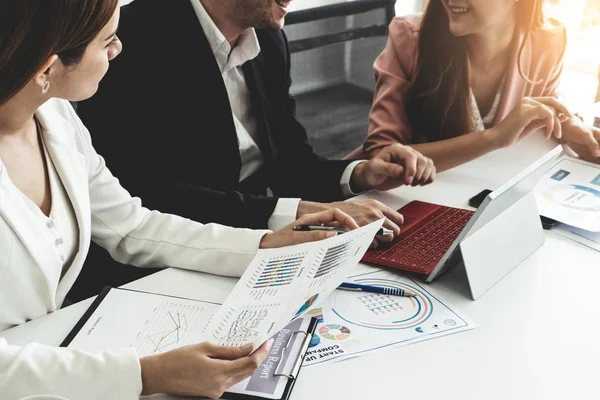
162	120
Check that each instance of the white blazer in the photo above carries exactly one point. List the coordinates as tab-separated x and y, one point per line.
30	284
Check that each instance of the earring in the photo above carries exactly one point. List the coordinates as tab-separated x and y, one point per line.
46	87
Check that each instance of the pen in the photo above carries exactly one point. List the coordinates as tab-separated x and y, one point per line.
305	228
375	289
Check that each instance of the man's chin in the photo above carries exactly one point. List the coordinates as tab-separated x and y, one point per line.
272	25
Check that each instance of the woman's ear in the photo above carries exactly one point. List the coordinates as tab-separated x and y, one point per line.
44	75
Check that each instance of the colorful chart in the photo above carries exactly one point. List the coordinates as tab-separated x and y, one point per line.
575	197
379	311
334	332
334	257
309	302
278	272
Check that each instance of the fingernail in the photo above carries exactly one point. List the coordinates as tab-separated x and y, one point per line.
269	344
329	234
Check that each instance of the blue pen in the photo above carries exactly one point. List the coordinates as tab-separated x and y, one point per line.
375	289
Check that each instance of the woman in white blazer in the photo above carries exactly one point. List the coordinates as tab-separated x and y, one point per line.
56	194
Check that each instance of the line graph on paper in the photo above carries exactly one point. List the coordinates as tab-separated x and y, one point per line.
167	328
241	326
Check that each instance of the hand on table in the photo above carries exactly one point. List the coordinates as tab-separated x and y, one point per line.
287	236
582	139
203	369
529	115
363	213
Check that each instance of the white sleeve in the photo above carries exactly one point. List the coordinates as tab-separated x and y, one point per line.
73	374
346	176
284	214
135	235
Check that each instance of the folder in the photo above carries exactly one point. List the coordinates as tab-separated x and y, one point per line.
121	318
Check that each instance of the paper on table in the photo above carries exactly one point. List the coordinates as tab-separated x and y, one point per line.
590	239
282	284
570	193
153	324
358	323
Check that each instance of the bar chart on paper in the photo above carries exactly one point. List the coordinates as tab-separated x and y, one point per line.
167	328
277	271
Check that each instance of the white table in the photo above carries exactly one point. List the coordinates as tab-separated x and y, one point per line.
538	334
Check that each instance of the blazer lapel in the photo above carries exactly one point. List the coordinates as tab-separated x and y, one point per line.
514	85
71	167
18	216
260	102
210	106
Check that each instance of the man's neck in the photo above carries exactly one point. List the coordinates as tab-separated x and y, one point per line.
218	12
486	48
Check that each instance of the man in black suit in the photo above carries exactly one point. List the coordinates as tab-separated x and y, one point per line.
196	119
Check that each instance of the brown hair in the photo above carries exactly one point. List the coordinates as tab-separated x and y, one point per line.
439	98
33	30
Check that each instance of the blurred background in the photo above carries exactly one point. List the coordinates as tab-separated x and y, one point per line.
333	82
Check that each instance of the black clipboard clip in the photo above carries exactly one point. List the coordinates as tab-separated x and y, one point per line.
299	357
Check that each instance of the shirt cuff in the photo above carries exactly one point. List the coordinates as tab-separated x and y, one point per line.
345	181
284	214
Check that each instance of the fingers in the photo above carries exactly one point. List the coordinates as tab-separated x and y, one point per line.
556	105
402	155
226	352
326	217
591	142
249	364
539	111
428	174
374	244
394	218
557	127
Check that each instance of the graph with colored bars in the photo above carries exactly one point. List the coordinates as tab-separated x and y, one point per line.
167	328
334	257
278	271
380	304
240	327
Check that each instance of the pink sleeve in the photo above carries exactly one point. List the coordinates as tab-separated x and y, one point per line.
393	69
551	87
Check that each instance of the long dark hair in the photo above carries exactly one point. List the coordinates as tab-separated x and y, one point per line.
439	98
33	30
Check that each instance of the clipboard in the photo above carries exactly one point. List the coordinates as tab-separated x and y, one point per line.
289	369
291	348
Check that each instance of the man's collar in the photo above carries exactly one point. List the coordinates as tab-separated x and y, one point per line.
247	42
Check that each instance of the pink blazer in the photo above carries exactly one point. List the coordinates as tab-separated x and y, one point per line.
395	67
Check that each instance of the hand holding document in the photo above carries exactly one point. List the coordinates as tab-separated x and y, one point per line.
281	284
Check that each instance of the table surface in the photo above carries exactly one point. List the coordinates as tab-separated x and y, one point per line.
538	327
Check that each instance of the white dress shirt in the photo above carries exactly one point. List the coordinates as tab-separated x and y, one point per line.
230	61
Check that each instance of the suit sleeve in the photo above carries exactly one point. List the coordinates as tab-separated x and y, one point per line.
142	175
135	235
121	113
300	172
36	369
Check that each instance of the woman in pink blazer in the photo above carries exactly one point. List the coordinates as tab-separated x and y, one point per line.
469	77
